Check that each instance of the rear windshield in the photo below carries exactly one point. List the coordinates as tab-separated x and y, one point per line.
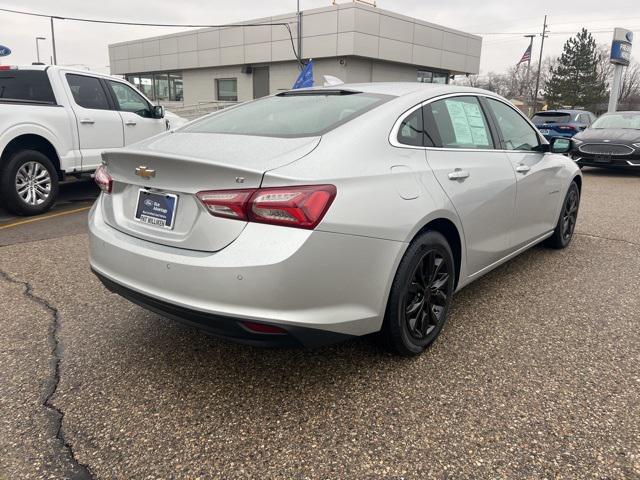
25	86
618	120
551	117
290	114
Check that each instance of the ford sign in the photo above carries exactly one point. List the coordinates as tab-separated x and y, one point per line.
621	46
4	51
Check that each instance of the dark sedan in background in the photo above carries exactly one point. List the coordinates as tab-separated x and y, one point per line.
612	141
562	123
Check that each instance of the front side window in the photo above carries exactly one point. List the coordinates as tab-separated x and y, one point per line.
290	114
227	89
88	92
458	122
128	100
517	134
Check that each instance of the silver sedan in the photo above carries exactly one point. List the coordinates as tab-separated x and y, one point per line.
316	215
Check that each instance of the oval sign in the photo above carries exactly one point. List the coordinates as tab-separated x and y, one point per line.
4	51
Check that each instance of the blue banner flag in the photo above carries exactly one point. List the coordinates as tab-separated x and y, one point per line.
305	79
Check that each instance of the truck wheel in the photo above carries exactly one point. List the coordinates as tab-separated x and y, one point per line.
28	183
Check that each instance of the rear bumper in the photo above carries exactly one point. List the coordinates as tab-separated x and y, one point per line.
226	327
295	279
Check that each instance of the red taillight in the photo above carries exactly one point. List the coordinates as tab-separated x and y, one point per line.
103	179
300	207
263	328
226	203
7	67
567	128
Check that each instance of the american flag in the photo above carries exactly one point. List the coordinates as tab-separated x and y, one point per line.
526	57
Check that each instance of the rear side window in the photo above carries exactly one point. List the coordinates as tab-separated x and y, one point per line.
458	122
88	92
290	114
411	131
26	86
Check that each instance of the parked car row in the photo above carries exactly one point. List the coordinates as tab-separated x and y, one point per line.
612	140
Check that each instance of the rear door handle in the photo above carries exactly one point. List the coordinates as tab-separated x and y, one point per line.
458	174
523	168
87	120
129	122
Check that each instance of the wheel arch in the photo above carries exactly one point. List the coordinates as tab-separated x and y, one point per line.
578	180
450	231
32	141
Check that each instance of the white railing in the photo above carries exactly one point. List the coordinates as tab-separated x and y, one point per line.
196	110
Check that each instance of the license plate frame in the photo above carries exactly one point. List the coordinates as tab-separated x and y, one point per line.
160	213
602	158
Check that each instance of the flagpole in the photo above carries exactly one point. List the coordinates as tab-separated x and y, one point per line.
544	34
528	88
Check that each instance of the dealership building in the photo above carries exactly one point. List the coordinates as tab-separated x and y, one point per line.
353	41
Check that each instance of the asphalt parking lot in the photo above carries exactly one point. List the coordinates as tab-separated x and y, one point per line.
535	375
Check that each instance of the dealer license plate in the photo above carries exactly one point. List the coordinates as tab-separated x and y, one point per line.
157	209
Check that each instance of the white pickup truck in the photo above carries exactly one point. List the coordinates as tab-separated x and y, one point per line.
56	121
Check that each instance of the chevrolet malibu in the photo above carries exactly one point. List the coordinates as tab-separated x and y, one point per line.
321	214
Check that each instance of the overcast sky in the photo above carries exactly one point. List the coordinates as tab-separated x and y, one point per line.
86	44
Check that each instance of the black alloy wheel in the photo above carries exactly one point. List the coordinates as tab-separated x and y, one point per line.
566	225
570	214
420	295
427	295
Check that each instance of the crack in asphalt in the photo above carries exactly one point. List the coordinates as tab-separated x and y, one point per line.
607	238
77	470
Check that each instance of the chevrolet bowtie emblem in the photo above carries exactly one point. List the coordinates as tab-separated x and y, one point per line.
144	172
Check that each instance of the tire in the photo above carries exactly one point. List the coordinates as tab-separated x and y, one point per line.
414	318
28	183
563	233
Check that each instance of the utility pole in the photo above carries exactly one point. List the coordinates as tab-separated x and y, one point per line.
299	15
528	85
53	42
544	35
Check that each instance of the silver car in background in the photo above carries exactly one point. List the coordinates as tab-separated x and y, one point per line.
316	215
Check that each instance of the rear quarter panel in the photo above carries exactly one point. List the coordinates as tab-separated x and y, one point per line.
383	191
50	122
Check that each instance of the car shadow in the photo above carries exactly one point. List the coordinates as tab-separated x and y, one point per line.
611	172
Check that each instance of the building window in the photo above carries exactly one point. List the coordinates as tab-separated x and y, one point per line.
175	86
227	89
158	86
427	76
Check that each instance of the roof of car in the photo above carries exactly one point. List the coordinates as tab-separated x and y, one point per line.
560	110
59	67
404	88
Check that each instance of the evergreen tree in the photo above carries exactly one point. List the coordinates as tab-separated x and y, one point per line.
575	80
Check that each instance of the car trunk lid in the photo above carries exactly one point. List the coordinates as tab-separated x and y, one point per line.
178	165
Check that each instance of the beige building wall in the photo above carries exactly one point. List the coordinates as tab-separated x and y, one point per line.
200	83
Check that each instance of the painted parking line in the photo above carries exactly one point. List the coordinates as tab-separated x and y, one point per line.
44	217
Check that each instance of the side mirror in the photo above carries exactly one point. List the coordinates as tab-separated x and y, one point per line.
560	145
157	111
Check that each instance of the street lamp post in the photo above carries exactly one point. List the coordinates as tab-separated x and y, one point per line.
38	47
